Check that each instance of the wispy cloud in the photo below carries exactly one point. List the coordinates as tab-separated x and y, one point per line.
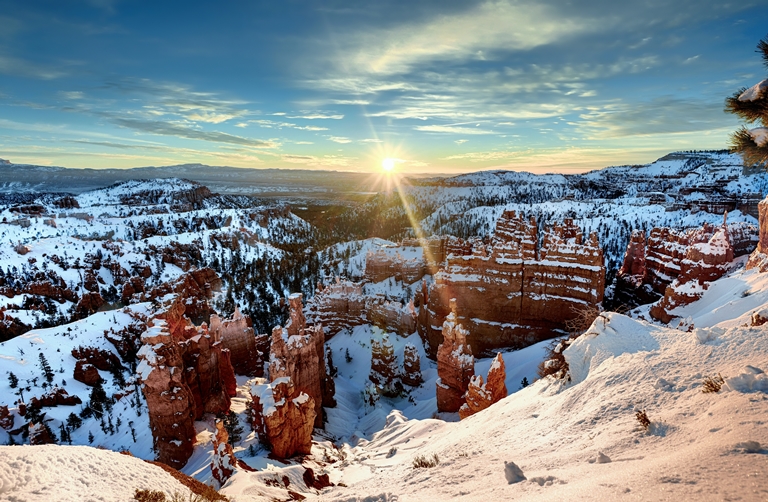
453	129
339	139
16	67
317	116
181	131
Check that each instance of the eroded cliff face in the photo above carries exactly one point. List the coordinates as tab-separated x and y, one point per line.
185	372
283	417
245	348
705	261
654	264
510	292
480	395
408	261
224	462
455	364
759	258
344	305
298	352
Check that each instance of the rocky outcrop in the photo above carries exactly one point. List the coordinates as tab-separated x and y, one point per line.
184	372
344	305
86	373
88	304
56	397
40	434
407	261
170	401
455	364
511	292
283	417
759	258
705	261
482	395
411	375
651	266
6	419
298	352
224	462
237	336
384	372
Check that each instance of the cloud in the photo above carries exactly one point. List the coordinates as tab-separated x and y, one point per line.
339	139
452	129
15	67
461	141
663	115
316	116
488	27
371	140
273	124
180	131
72	95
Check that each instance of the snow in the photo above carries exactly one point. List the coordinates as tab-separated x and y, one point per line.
77	473
759	136
755	92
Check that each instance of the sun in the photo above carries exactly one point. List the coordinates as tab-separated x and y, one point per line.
388	165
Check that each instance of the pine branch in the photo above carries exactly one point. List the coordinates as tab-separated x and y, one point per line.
742	142
750	111
762	46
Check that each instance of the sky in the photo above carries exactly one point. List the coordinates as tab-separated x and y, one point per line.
440	86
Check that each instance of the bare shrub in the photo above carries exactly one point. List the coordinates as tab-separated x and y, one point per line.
149	496
713	384
585	315
425	462
642	417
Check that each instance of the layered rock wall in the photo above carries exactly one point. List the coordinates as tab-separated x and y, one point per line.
510	292
283	417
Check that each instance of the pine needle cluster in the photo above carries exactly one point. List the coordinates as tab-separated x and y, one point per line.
751	105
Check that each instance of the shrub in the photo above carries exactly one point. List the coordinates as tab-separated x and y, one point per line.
642	417
425	462
713	384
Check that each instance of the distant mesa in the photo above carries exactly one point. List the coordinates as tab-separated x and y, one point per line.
4	162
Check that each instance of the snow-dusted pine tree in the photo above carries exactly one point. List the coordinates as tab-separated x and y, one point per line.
752	105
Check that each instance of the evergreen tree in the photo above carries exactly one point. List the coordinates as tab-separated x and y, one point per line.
90	437
233	427
13	380
47	371
751	105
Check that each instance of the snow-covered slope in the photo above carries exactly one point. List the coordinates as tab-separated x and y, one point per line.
76	473
581	440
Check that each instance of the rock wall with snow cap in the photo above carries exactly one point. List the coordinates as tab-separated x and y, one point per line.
759	258
411	375
481	395
510	292
224	462
283	417
237	336
170	402
298	352
344	305
455	364
704	262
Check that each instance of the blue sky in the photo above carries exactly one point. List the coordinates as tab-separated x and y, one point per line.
441	86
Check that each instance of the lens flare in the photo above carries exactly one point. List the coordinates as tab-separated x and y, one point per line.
388	165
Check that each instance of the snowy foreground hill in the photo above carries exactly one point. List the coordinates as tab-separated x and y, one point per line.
572	440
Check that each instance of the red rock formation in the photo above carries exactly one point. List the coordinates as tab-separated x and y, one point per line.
86	373
67	202
383	365
283	417
170	401
704	261
88	304
56	397
40	434
224	462
6	419
237	336
411	366
482	395
455	364
759	258
344	305
298	352
633	267
509	297
102	359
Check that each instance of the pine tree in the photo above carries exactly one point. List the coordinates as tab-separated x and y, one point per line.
90	437
752	106
47	371
233	427
13	380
